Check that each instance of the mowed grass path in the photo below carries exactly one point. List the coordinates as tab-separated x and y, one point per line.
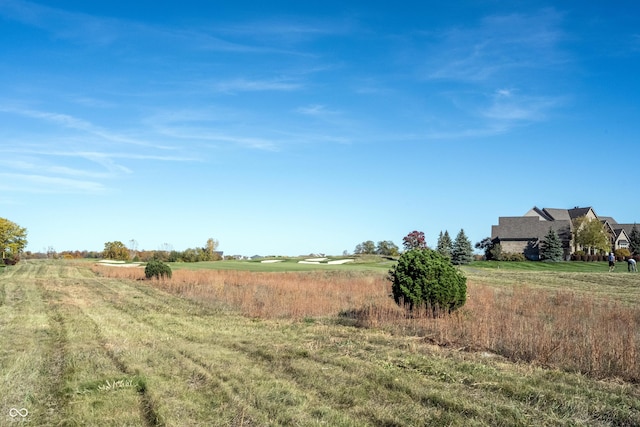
84	350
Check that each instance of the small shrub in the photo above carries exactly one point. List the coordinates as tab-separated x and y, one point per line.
157	269
426	277
512	256
622	254
13	260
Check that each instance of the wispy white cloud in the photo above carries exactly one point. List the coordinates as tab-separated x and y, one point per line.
46	169
78	124
66	25
496	45
35	183
83	28
507	106
210	135
33	165
482	115
92	102
248	85
288	32
213	125
316	110
96	156
487	71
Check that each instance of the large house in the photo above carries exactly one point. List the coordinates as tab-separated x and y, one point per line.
523	234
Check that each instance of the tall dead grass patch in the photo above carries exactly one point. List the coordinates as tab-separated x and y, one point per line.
293	295
555	328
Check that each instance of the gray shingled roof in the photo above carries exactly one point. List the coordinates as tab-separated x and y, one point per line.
626	227
610	220
558	214
578	212
528	228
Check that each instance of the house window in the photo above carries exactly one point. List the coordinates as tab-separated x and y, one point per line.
623	244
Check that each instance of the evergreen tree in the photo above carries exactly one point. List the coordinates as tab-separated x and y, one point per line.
423	277
444	244
461	250
551	249
634	240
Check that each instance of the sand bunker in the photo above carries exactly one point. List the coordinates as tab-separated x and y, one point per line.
340	261
321	261
114	263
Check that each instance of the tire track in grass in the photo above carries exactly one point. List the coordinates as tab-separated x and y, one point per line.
55	367
24	326
204	360
34	347
140	309
147	406
2	292
262	362
156	335
148	412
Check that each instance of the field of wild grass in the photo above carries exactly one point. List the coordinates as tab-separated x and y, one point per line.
234	348
578	322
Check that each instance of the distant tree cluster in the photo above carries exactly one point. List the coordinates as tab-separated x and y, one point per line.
118	251
459	251
384	248
13	240
115	250
51	253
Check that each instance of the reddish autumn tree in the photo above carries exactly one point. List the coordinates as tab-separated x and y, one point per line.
414	240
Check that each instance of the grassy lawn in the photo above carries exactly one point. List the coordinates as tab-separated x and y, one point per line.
375	263
289	264
569	266
79	349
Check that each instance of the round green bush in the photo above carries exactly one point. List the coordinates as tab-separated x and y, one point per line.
157	269
424	277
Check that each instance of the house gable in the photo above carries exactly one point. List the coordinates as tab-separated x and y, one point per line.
578	212
539	213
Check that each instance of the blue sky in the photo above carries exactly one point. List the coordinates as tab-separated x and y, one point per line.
288	127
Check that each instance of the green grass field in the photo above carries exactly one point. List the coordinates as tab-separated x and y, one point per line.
289	264
572	266
375	263
78	350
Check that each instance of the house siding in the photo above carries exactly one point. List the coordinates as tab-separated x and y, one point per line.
523	234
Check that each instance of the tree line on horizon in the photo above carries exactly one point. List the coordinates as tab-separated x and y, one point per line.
458	251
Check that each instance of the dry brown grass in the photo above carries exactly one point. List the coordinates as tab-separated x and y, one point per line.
574	331
293	295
